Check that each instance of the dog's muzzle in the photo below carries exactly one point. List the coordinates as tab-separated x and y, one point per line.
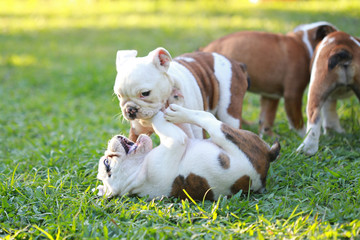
131	112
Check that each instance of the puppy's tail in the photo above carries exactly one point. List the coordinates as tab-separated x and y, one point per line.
274	151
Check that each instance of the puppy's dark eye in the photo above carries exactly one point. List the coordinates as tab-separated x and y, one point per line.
145	94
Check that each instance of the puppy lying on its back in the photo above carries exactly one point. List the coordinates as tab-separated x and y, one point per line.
335	75
231	161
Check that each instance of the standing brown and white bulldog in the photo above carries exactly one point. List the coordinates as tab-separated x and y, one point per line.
278	66
335	75
199	81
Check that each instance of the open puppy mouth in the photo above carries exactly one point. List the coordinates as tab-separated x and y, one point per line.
128	145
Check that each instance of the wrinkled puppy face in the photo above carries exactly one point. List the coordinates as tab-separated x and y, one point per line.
142	85
120	149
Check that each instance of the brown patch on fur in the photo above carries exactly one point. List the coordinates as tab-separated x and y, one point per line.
258	152
135	133
203	71
239	84
194	185
224	160
202	68
242	183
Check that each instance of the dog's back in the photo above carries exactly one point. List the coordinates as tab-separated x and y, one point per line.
222	82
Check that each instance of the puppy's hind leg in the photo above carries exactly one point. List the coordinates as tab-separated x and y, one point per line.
330	117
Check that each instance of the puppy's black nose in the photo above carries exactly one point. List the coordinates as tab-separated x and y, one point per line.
131	111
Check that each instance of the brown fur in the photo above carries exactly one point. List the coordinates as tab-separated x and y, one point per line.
242	183
224	160
135	133
278	66
258	152
336	57
203	71
194	185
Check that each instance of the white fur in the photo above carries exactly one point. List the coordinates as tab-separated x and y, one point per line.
187	59
305	28
141	74
306	40
311	143
152	172
356	41
223	73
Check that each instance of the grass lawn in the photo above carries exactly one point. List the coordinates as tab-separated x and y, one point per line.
57	112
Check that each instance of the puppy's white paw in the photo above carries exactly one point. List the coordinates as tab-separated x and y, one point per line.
175	114
101	190
308	149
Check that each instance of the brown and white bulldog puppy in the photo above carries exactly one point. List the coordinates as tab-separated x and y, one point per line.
230	161
278	66
335	75
200	81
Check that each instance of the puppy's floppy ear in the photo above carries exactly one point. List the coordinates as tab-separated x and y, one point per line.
161	58
123	55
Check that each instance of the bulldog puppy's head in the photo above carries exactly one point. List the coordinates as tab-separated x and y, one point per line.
119	150
121	156
142	84
311	34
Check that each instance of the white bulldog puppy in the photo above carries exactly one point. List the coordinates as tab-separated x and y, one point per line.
230	161
200	81
335	75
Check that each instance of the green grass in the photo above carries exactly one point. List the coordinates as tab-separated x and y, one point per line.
57	111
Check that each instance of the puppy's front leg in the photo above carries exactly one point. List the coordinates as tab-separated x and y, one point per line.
171	136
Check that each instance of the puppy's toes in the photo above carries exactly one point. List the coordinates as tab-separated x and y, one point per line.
172	114
175	107
101	190
307	150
